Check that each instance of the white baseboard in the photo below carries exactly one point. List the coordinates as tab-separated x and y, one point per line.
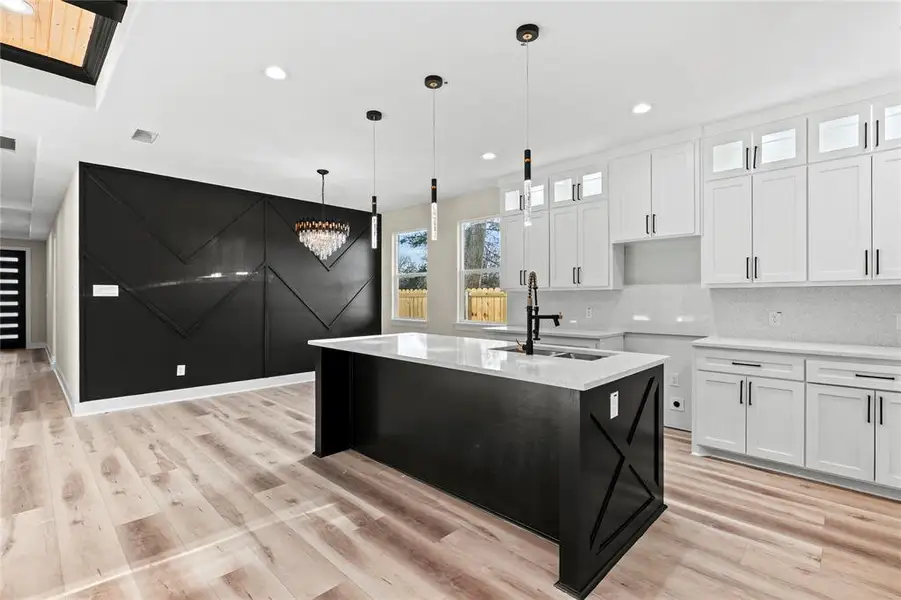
94	407
62	384
36	345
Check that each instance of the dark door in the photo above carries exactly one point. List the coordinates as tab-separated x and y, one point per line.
12	299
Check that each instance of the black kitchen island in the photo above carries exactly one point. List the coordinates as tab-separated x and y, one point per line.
567	446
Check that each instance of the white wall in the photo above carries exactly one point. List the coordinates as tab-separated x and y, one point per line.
63	312
443	254
36	294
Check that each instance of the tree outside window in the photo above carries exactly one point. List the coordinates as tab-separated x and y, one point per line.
411	252
480	272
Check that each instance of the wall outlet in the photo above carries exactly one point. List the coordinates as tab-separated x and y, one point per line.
677	404
180	371
587	312
775	318
674	379
614	405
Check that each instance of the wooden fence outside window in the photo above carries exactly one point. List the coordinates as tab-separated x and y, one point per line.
482	304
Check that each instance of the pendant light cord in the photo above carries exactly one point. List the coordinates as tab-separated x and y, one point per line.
323	197
434	139
373	158
527	94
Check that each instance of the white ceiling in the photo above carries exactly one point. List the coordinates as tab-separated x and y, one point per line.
192	71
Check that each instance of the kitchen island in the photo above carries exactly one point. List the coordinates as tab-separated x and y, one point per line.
567	443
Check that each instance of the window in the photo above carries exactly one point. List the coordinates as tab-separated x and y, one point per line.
411	265
480	272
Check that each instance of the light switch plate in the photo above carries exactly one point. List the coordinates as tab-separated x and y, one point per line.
674	380
614	405
180	371
588	312
775	318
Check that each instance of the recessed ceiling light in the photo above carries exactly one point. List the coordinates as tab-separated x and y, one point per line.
21	7
489	156
640	109
275	72
144	136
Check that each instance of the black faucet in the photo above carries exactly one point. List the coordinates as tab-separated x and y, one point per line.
533	319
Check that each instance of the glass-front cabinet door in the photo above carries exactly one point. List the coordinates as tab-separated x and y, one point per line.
563	188
591	184
887	122
839	132
511	200
780	144
727	154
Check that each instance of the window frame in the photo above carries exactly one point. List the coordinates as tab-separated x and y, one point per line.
462	273
396	276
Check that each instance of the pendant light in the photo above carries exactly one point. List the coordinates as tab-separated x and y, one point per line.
374	116
526	34
322	236
434	82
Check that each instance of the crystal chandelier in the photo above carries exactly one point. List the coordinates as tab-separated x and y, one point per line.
322	236
525	35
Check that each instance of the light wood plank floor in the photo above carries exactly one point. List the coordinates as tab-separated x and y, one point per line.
220	498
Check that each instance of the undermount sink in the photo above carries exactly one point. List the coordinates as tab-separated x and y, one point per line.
556	353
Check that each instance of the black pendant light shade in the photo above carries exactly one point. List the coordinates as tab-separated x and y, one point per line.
374	116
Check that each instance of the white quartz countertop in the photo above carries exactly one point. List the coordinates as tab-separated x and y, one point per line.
551	331
481	356
810	348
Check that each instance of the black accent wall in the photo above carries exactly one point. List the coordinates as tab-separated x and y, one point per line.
212	278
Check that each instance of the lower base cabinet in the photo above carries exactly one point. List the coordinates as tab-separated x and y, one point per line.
840	431
888	439
758	416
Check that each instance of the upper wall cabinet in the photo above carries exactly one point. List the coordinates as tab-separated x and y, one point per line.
512	197
654	194
887	122
771	146
840	132
524	249
580	185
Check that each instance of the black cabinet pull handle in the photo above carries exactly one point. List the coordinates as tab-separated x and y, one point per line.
748	267
745	364
574	275
573	194
654	223
756	264
865	142
522	204
647	225
881	407
579	275
876	135
877	261
741	391
869	407
866	262
754	162
882	377
747	159
579	190
749	395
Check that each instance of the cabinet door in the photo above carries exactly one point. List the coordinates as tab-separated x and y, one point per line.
780	225
887	214
727	155
720	411
564	246
594	245
539	197
630	197
838	132
591	185
538	248
839	229
887	122
778	145
888	439
841	431
727	231
563	189
776	420
512	252
511	200
673	190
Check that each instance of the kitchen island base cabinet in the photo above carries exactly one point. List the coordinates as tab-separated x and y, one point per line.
583	468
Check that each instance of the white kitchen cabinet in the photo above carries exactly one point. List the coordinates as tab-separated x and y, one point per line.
564	246
538	247
839	220
720	411
513	256
840	431
579	185
512	198
630	197
888	439
563	189
779	145
727	155
839	132
887	122
887	214
673	191
779	223
594	245
775	419
727	231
